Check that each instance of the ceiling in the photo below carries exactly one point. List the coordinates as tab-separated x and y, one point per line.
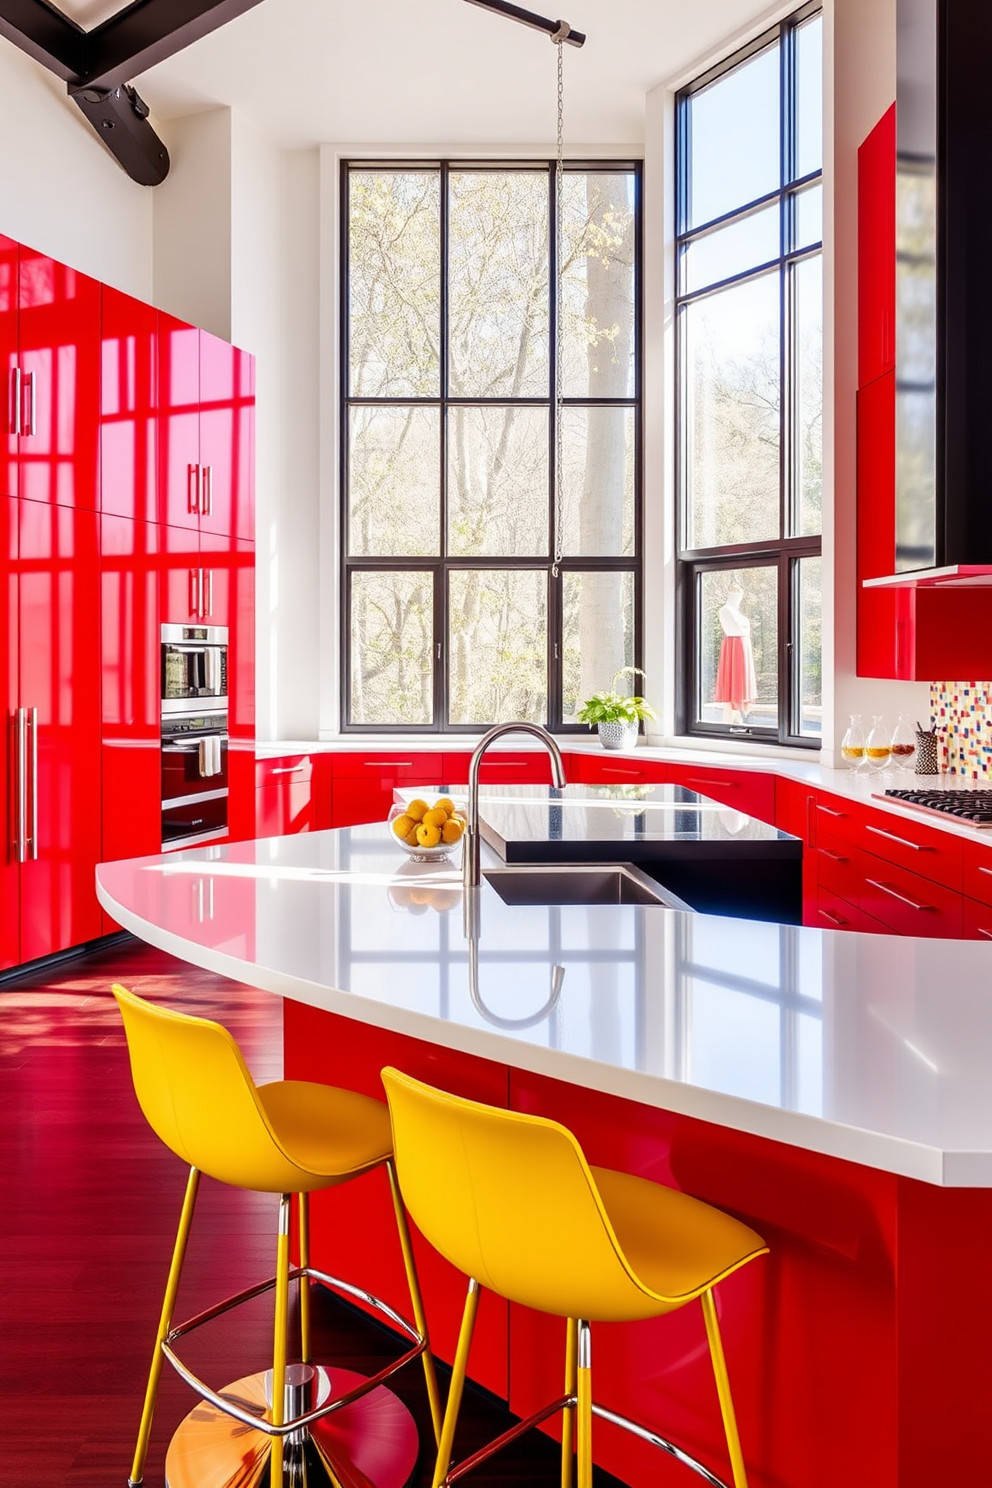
433	71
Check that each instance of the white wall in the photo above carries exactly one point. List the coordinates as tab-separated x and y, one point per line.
60	190
192	222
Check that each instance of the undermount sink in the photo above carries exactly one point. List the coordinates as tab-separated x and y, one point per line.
579	883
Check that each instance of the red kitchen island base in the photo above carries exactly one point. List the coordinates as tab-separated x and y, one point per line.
857	1349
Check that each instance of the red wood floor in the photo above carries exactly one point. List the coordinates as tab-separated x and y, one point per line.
89	1201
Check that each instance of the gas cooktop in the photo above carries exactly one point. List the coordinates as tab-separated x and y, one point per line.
971	806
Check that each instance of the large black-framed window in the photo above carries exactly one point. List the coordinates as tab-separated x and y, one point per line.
471	592
749	353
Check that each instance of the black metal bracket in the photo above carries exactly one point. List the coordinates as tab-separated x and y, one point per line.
96	64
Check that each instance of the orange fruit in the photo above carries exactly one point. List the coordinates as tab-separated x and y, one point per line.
446	805
452	831
436	817
417	810
413	840
428	836
403	826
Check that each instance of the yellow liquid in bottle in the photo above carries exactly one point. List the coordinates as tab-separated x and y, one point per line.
853	751
877	753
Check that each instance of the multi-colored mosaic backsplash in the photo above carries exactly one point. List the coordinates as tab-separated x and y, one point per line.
962	717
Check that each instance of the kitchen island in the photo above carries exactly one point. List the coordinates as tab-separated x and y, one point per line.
830	1089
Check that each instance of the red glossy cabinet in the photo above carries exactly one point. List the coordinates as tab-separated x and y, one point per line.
593	769
129	475
131	687
8	362
59	598
284	796
362	786
10	873
529	767
179	422
876	251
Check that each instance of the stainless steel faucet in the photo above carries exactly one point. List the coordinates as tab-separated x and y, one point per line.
470	849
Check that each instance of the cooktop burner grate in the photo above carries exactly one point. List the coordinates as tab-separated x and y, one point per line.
973	806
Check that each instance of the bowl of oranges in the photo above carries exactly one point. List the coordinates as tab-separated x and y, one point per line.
428	833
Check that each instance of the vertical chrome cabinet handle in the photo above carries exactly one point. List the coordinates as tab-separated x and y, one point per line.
208	490
15	400
194	592
30	384
33	726
22	785
210	592
193	488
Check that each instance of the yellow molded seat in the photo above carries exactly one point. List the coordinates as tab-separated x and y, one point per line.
511	1201
291	1136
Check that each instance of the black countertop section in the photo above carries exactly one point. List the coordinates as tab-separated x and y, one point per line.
625	823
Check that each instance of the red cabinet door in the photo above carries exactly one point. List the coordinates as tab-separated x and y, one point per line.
877	251
59	358
10	896
227	425
128	407
362	785
182	580
529	767
179	422
749	791
284	807
8	362
60	678
130	687
592	769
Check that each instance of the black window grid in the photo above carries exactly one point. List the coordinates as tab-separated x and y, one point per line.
787	550
442	565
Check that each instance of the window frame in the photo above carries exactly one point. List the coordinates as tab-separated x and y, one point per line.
787	549
441	565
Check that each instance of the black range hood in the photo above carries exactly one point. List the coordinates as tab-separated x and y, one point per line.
943	295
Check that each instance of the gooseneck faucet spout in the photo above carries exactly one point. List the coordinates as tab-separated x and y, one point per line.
470	848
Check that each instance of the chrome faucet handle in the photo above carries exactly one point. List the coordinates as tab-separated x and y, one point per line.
471	873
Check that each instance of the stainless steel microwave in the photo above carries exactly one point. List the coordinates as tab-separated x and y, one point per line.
194	667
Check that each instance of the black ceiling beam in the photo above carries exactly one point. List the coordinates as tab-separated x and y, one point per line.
529	18
47	35
147	32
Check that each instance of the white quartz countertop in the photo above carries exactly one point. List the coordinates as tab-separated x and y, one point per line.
874	1049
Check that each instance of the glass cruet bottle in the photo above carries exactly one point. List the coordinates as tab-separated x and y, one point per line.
852	746
878	746
903	744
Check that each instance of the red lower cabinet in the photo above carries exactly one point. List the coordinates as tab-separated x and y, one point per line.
10	873
362	785
594	769
908	903
59	604
354	1231
499	767
283	796
976	920
745	790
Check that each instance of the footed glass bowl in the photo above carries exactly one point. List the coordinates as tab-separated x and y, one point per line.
420	854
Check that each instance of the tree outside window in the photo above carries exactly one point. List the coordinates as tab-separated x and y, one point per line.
454	615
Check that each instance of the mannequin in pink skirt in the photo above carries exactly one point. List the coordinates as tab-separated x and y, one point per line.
736	683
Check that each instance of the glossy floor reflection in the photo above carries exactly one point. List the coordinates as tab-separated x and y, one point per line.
90	1201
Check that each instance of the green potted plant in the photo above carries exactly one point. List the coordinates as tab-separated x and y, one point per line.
617	715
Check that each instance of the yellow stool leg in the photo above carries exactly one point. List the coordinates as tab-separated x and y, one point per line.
281	1328
568	1419
447	1441
165	1323
417	1301
583	1410
304	1210
723	1389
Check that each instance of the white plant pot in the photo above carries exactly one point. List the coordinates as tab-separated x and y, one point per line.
617	735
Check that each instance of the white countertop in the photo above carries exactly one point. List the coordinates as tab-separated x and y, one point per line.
875	1049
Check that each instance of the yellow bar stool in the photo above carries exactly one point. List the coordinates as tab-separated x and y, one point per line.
298	1423
511	1201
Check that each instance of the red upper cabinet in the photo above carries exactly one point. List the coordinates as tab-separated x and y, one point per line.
8	360
877	252
227	427
128	407
207	430
59	364
179	422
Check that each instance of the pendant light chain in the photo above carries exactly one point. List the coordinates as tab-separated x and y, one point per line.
559	40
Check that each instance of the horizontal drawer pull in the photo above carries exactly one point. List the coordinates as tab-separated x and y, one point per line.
508	764
713	780
834	857
985	870
835	919
614	770
894	894
388	764
902	841
286	769
829	811
986	933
